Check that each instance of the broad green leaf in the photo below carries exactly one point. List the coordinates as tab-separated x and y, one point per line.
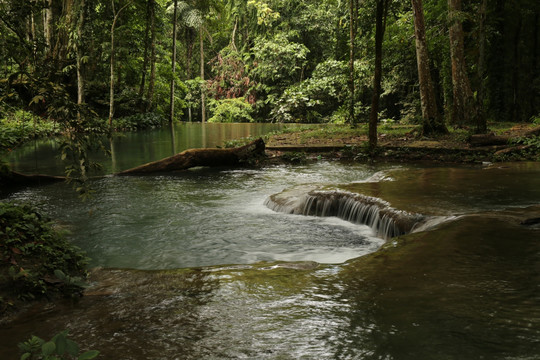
26	356
48	348
61	343
72	347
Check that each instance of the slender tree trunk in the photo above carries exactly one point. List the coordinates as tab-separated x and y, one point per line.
189	57
481	123
432	121
379	34
152	80
233	35
352	38
203	95
171	115
47	25
33	34
111	89
463	109
80	78
516	101
535	98
146	48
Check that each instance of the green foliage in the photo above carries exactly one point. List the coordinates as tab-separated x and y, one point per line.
295	157
21	126
58	348
230	110
314	99
36	260
278	63
530	147
138	121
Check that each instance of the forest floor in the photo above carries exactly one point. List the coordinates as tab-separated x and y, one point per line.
504	142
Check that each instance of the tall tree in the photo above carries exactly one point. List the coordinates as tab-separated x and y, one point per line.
353	16
173	60
380	24
151	81
463	104
79	55
116	14
48	25
146	56
203	94
432	120
481	122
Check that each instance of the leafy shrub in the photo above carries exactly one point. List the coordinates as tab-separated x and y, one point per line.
316	98
230	110
36	260
59	347
21	126
277	64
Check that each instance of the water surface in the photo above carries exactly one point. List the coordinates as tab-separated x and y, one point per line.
194	266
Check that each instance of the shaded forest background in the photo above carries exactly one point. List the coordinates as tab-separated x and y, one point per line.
79	62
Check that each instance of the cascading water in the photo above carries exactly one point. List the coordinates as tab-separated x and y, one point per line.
385	221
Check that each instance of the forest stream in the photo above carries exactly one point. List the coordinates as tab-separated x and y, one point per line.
203	265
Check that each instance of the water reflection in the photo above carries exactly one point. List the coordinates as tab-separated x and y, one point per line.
135	148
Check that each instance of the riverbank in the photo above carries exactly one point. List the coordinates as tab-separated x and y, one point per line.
505	142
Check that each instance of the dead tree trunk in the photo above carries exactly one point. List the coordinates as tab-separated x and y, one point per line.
202	157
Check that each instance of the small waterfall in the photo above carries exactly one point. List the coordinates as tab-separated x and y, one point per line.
386	221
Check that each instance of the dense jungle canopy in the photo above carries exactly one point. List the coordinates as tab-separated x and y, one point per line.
440	63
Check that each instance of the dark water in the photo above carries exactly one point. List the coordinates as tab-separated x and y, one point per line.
194	266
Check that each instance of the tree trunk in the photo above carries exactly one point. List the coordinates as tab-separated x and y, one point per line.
481	123
463	109
432	121
171	115
379	34
203	95
111	89
233	35
47	25
535	98
352	37
146	48
202	157
152	80
189	57
516	101
80	78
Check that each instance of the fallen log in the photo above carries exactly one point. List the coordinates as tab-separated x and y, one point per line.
14	178
491	139
202	157
488	140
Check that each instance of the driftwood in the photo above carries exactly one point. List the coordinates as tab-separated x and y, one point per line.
202	157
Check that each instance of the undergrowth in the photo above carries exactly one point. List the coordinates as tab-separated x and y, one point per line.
36	260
